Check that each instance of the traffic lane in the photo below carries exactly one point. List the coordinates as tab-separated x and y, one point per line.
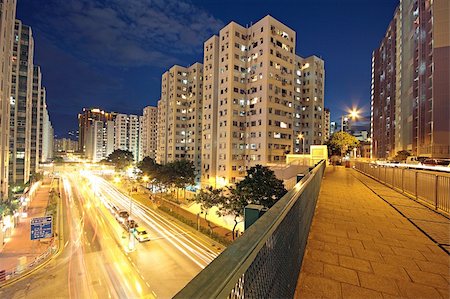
115	275
184	240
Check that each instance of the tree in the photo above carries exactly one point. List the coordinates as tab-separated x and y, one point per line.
208	198
233	205
401	156
148	166
260	186
342	142
121	159
182	173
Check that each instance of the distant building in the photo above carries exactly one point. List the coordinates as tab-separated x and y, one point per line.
361	135
65	145
149	132
326	124
127	134
36	146
333	128
410	82
7	22
86	119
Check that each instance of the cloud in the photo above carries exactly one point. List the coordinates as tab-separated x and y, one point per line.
126	33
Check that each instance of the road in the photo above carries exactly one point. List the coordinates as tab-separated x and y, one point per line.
94	262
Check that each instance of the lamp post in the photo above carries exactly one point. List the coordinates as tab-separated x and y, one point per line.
352	115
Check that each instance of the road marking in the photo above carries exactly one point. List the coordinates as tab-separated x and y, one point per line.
67	243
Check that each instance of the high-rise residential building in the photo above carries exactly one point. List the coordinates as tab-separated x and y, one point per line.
333	128
255	93
179	115
309	101
35	120
149	132
7	21
21	104
326	124
410	76
86	118
65	145
127	134
47	137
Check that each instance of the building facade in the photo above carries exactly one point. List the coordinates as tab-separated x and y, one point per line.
415	53
256	95
7	22
86	118
149	132
21	105
179	115
65	145
326	124
127	134
35	120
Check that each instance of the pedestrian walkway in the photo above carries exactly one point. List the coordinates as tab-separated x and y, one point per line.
361	246
20	245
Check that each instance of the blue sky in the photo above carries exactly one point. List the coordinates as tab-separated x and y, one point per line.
111	54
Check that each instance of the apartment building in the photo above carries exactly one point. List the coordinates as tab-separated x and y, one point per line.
65	145
7	21
35	120
311	72
127	134
149	132
410	78
179	115
326	124
86	118
248	99
21	104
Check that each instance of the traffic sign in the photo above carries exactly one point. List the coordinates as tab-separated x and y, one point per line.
41	227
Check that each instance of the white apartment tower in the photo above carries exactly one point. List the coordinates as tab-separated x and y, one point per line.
127	134
179	115
248	98
309	102
7	21
21	104
36	146
149	132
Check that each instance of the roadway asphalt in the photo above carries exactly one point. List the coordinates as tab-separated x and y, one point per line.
94	262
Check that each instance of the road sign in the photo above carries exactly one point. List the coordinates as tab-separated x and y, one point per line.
41	228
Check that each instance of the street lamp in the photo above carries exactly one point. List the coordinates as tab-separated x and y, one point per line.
353	114
301	137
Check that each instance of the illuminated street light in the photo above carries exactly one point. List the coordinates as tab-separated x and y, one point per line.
353	114
116	180
145	178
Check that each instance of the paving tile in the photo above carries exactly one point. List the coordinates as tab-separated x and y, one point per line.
427	278
321	286
411	253
390	271
354	292
370	255
432	267
312	267
341	274
402	261
415	290
445	293
378	283
355	263
338	249
323	256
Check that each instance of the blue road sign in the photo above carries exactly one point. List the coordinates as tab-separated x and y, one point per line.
41	227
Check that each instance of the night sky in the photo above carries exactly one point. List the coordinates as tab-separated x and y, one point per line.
111	54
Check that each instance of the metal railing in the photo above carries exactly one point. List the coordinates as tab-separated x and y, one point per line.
8	274
431	188
265	261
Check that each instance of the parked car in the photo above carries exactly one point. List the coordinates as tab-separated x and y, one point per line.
436	162
141	234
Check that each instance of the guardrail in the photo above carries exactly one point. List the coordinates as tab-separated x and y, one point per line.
8	274
265	261
430	188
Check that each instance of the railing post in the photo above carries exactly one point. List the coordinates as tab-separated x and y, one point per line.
436	187
415	186
403	179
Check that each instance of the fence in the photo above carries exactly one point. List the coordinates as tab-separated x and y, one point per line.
265	261
8	274
431	188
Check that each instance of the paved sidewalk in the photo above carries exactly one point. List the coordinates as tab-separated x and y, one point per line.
359	246
19	244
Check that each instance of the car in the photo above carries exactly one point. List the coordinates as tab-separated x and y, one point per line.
129	224
122	216
141	234
436	162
